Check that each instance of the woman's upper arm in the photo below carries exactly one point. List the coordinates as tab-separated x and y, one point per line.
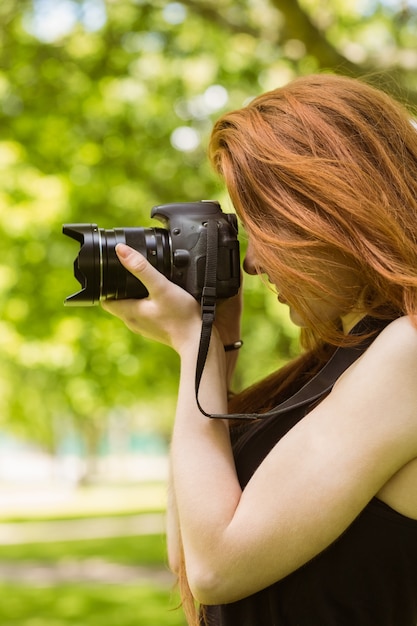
319	477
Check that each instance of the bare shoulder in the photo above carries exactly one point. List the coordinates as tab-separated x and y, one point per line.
395	347
383	380
393	356
400	336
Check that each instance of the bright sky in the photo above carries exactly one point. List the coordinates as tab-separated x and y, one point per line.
52	19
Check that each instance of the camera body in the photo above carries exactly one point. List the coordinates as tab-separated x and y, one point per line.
178	251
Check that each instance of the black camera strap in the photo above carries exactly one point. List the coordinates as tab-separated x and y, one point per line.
208	304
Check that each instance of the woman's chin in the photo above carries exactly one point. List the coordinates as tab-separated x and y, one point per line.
296	318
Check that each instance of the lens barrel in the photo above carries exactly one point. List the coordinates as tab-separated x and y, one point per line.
98	269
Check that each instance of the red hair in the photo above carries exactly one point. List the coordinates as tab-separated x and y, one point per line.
324	169
327	165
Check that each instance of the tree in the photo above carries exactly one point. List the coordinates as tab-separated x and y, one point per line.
105	118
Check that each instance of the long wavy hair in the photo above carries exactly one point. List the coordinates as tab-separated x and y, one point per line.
325	169
323	173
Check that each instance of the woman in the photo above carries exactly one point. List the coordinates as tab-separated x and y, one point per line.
307	517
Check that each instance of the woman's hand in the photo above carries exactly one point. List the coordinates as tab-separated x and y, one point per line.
170	315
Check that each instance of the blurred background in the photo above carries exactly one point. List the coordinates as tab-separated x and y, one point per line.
105	111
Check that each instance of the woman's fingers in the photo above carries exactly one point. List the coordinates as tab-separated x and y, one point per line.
169	315
140	267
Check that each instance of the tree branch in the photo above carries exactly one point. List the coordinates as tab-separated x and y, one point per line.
210	13
298	25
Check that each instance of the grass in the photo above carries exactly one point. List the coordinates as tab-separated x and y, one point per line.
86	603
139	550
93	605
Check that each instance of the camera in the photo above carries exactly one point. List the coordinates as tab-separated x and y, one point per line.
178	251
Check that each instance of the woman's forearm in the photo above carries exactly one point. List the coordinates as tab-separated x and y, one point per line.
206	485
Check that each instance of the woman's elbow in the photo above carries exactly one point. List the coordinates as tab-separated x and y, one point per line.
207	586
204	585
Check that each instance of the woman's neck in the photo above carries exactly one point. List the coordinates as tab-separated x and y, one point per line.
350	320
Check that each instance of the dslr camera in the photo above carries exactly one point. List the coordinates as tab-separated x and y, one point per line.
178	251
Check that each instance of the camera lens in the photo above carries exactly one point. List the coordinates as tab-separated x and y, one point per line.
99	271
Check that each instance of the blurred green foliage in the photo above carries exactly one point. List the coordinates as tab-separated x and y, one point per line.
105	111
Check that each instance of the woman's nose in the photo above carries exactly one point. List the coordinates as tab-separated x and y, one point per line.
249	262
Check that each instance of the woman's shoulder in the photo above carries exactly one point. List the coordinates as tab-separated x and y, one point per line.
393	351
401	326
398	341
378	393
384	377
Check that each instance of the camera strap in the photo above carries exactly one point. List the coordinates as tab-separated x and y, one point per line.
208	304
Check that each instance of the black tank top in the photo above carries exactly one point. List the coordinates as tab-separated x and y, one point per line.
367	577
